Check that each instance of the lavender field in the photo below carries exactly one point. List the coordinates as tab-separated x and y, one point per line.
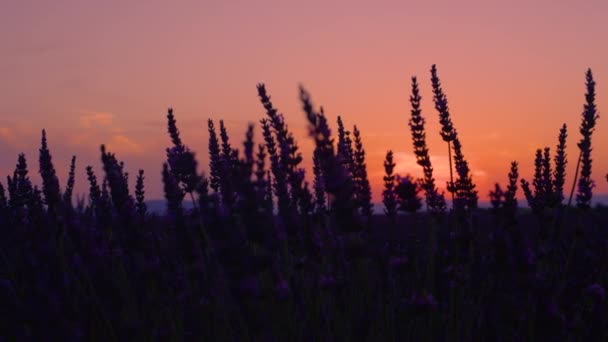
255	249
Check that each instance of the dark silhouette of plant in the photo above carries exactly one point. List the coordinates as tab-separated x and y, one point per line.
547	178
4	209
279	185
539	188
389	197
289	156
248	146
182	162
338	184
434	200
119	188
318	184
363	192
173	194
590	116
496	197
139	195
529	196
20	191
448	133
406	192
345	148
510	200
69	189
539	198
245	273
50	182
100	205
260	182
228	167
463	189
466	195
561	161
214	158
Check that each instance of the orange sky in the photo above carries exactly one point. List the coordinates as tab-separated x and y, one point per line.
105	72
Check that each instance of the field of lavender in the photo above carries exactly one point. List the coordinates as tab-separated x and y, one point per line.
251	251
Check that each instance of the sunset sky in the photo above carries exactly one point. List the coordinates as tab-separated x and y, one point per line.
94	72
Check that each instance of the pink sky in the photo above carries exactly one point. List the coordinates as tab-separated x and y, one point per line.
94	72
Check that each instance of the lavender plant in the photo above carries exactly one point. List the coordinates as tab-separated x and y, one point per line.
69	189
406	192
214	158
140	195
496	197
561	161
50	187
217	274
389	197
345	148
363	192
590	116
289	155
448	133
435	201
338	184
510	199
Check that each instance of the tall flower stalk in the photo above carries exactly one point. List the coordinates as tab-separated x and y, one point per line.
139	195
561	160
466	196
590	116
363	192
214	158
50	182
338	184
289	155
510	200
389	198
67	195
434	200
448	133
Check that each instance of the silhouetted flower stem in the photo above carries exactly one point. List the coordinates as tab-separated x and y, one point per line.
363	192
590	116
434	200
50	182
559	175
139	195
67	195
510	200
448	134
338	184
389	197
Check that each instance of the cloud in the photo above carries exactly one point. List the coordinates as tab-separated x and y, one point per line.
492	136
6	135
96	119
406	163
123	145
479	173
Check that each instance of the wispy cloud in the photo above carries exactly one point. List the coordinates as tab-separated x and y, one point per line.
123	145
406	164
7	135
96	119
